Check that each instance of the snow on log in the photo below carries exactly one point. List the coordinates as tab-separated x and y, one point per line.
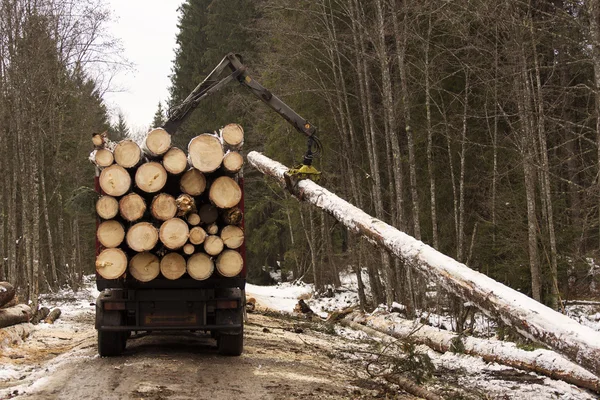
206	152
175	161
128	154
110	233
233	135
163	207
115	180
232	236
132	207
224	192
151	177
144	267
230	263
157	143
213	245
200	266
174	233
103	158
197	235
111	263
172	266
107	207
143	236
541	361
193	182
532	319
233	162
14	315
7	293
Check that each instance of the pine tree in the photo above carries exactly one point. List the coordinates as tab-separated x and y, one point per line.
159	117
119	131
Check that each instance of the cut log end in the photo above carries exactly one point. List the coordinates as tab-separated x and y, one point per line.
193	219
233	135
206	153
128	154
144	267
110	233
189	249
111	263
115	180
212	229
175	161
208	213
233	216
173	266
225	192
197	235
233	162
193	182
132	207
174	233
158	142
107	207
213	245
163	207
232	236
151	177
200	266
98	139
53	316
230	263
104	158
185	205
142	236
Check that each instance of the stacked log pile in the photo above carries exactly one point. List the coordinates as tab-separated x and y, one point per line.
167	214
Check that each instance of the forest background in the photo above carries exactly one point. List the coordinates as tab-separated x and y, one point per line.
473	125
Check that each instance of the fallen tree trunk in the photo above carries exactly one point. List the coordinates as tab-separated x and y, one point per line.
532	319
15	334
14	315
53	316
7	293
40	315
545	362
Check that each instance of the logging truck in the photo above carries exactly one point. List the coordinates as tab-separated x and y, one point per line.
170	252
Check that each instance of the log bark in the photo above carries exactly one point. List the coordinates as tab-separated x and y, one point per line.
157	143
14	315
197	235
230	263
233	216
189	249
173	266
53	316
40	315
213	245
128	154
541	361
175	161
163	207
103	158
206	153
132	207
225	192
233	135
143	236
111	263
110	233
144	267
233	162
15	334
232	236
193	219
107	207
212	229
174	233
151	177
200	266
532	319
115	181
185	204
7	293
193	182
208	213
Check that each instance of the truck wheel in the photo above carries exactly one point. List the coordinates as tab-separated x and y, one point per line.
231	345
110	343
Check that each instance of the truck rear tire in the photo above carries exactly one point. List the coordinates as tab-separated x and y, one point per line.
231	345
110	343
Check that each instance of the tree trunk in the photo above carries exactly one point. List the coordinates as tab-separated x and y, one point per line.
144	267
234	216
111	263
189	249
143	236
103	158
186	204
14	315
174	233
528	316
225	192
205	153
173	266
150	177
132	207
593	7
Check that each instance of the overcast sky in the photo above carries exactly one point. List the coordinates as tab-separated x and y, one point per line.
147	30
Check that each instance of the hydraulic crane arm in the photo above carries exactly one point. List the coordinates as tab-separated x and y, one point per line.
214	83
